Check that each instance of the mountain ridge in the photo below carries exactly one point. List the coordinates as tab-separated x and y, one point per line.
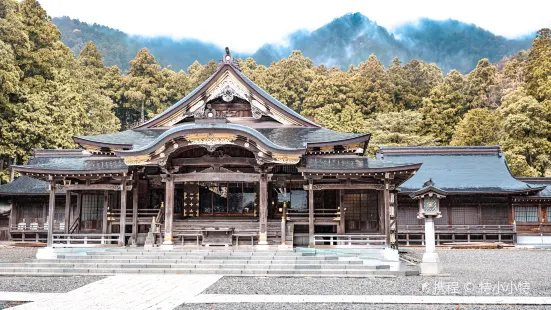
347	40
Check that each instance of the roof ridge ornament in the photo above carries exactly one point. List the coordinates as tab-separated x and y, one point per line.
228	60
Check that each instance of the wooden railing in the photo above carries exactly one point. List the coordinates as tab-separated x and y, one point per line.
304	213
352	240
84	240
415	234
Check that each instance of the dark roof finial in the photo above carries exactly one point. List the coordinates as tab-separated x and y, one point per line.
428	183
227	50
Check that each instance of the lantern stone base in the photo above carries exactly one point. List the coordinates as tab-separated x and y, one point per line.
430	265
46	253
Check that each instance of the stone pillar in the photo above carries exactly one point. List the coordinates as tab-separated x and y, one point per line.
169	211
51	213
311	227
122	225
67	211
105	212
430	243
135	214
263	206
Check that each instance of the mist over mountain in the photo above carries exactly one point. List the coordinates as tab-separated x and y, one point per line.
346	40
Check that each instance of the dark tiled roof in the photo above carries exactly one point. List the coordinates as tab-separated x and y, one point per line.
25	185
69	164
132	137
350	164
273	100
536	182
458	169
284	137
299	137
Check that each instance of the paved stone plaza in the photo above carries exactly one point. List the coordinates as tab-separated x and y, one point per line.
499	279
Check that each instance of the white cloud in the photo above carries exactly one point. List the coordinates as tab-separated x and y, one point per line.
245	25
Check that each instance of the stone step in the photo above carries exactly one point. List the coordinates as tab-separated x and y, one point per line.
198	257
228	271
193	261
188	266
204	253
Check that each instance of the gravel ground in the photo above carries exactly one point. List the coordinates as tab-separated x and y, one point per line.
322	306
45	284
505	272
9	254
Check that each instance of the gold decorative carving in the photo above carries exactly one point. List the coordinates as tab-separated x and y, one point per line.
211	138
286	159
136	160
353	147
327	149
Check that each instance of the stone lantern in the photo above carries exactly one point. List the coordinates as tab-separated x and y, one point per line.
429	209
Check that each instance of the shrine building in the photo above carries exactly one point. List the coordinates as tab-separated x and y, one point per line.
229	164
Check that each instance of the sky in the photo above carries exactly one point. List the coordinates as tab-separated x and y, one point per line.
245	25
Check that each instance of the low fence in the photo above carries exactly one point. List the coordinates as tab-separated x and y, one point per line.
337	241
415	234
84	240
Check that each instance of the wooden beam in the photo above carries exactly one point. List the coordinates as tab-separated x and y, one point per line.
318	187
67	211
122	225
311	228
208	160
51	213
217	177
91	187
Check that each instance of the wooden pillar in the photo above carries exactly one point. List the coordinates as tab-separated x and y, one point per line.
105	212
122	224
311	229
342	209
386	208
51	213
79	209
13	217
67	211
263	206
135	214
169	209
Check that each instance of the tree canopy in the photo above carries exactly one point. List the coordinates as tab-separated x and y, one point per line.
48	95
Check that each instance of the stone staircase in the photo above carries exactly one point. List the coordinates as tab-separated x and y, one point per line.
199	261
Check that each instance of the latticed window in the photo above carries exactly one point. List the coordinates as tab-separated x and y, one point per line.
548	214
92	207
526	214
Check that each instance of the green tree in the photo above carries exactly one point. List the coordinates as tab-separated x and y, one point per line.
289	79
444	107
397	129
538	67
373	89
481	83
478	127
525	132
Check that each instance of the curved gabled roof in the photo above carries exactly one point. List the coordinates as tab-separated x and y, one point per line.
459	170
286	137
201	89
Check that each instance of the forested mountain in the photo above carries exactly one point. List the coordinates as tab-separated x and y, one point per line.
346	40
49	94
119	48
